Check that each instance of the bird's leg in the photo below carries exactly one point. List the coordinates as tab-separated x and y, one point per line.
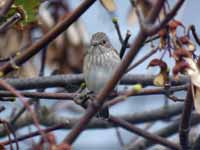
84	97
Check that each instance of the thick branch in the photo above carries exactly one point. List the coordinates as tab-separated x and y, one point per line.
49	118
68	80
185	121
71	96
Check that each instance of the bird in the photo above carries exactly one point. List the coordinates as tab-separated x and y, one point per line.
100	62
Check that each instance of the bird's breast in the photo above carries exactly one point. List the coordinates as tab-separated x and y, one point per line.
98	70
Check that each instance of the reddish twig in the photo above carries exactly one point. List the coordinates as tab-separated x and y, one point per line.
36	133
11	89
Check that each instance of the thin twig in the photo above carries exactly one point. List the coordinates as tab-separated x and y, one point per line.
153	137
141	60
125	43
167	131
10	22
116	24
11	89
153	29
194	33
36	133
119	137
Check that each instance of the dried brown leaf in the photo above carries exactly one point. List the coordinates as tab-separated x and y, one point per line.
109	5
162	78
159	63
159	80
132	17
180	53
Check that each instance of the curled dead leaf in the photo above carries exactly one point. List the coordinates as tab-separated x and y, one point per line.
174	24
180	53
162	78
184	39
179	67
158	62
190	46
159	80
163	32
131	18
163	37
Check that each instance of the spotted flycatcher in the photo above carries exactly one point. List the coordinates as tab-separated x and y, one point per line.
100	62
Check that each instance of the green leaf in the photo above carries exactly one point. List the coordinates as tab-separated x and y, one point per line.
30	8
27	8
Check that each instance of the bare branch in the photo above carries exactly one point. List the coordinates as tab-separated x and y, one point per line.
185	121
149	136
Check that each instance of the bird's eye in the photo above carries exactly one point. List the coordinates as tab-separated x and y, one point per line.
103	42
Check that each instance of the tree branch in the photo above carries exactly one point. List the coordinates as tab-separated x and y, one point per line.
147	135
185	121
69	81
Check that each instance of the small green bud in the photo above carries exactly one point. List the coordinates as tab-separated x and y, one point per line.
83	85
137	88
114	20
1	74
168	69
